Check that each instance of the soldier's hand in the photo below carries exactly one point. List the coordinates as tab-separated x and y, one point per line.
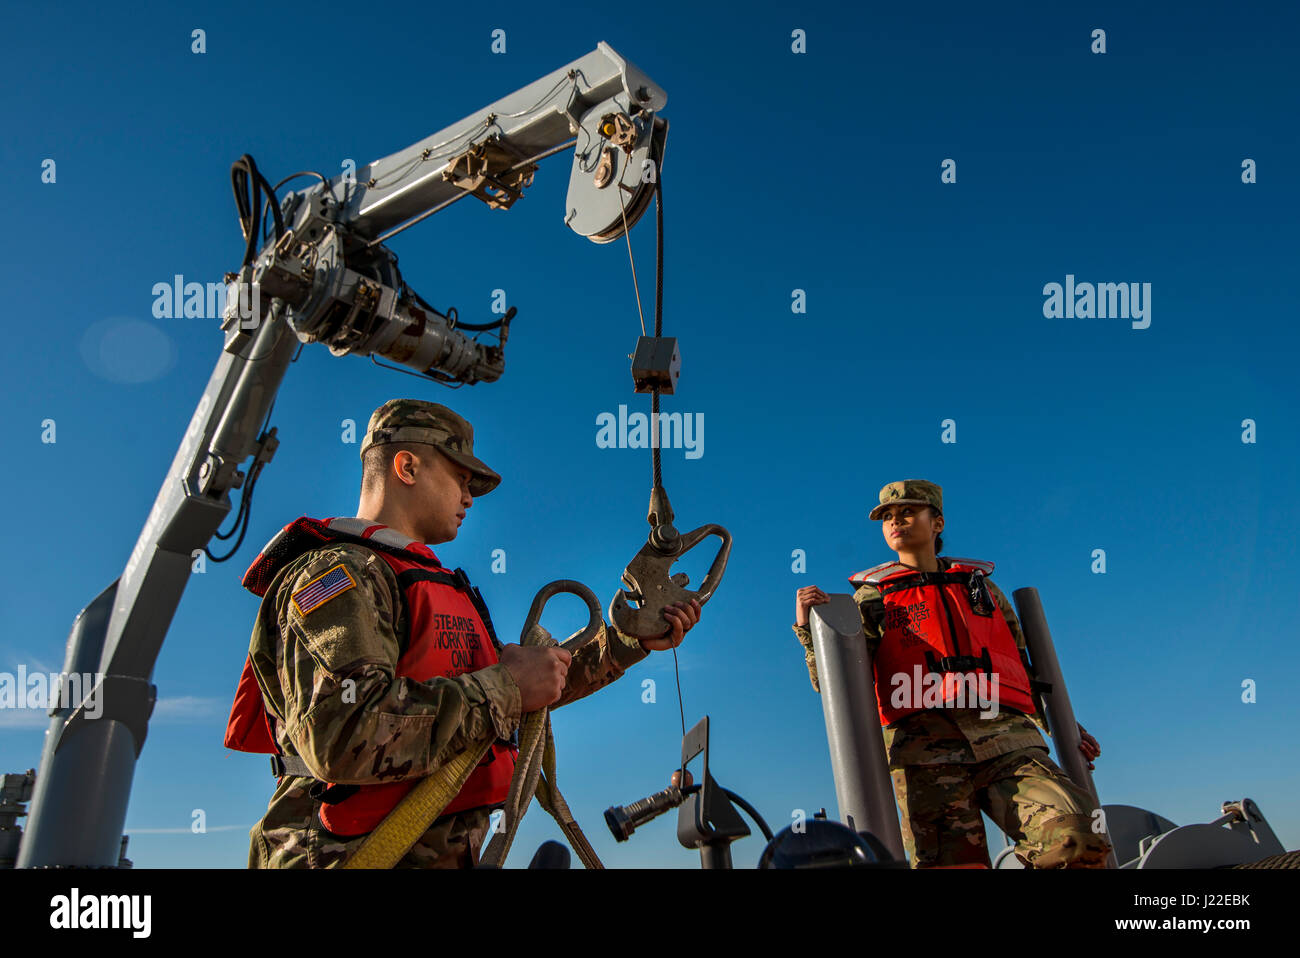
539	673
683	616
1088	746
804	600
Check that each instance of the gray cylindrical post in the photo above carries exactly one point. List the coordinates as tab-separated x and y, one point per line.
1060	714
862	785
106	746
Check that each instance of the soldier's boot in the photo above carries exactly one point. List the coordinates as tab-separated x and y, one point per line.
1070	842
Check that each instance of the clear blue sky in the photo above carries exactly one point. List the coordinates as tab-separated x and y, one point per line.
818	172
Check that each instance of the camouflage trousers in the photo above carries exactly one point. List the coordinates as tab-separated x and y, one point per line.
291	836
1024	792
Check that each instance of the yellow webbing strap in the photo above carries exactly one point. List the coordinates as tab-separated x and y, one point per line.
393	837
534	773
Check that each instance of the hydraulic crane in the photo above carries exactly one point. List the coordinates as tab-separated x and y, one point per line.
327	277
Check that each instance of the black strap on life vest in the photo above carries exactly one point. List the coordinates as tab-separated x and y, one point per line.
407	576
924	578
458	580
980	599
959	663
477	598
320	792
289	765
970	663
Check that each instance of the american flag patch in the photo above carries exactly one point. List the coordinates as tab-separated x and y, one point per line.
323	588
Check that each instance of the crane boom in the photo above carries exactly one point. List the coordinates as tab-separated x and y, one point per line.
529	122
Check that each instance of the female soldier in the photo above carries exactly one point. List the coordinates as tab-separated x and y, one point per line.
950	758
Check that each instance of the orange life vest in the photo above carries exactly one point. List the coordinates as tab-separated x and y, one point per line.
449	633
944	623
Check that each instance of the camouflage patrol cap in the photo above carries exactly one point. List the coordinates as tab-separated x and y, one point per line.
414	420
916	492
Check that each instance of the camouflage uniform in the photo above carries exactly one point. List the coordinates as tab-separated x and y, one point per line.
327	678
949	764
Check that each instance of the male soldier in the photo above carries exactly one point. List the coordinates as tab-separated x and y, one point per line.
929	614
371	665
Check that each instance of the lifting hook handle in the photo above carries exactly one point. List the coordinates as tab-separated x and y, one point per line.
652	586
550	590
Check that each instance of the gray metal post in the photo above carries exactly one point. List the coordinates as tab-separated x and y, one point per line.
862	785
79	802
1060	714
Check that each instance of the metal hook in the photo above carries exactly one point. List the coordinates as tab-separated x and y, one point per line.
652	586
550	590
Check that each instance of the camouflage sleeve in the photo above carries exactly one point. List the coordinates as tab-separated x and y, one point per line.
804	634
343	710
1013	623
598	663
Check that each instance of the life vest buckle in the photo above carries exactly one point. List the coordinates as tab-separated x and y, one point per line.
331	794
981	600
960	663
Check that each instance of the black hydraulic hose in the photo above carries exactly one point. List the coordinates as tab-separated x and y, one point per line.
472	327
249	186
480	327
245	514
